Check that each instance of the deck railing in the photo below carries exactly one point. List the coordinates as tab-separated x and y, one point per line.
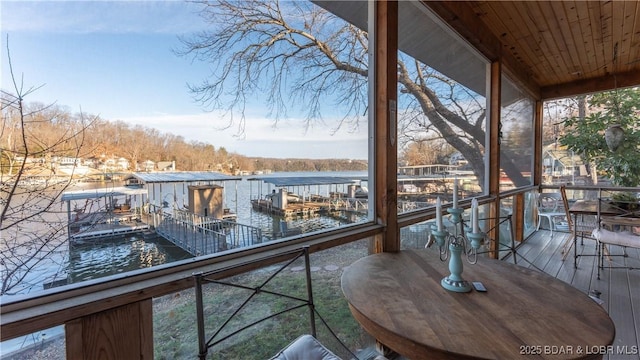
123	301
115	298
202	235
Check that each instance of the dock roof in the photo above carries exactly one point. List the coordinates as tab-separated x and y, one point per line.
304	180
102	192
182	176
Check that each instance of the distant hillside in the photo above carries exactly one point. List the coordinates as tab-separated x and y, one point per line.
136	143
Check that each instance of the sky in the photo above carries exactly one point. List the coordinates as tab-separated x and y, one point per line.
116	59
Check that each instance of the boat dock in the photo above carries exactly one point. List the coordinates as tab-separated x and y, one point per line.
283	198
104	212
188	208
201	235
296	209
108	230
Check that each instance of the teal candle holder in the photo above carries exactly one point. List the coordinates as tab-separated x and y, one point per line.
440	236
452	246
455	282
475	239
456	214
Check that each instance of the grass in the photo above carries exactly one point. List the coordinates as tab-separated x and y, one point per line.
175	329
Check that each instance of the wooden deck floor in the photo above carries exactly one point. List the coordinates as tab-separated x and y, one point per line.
619	288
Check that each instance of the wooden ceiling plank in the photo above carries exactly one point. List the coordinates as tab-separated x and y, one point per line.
609	33
486	15
524	43
632	34
555	39
589	31
566	35
522	73
587	26
535	40
569	43
500	20
582	62
602	53
623	21
461	18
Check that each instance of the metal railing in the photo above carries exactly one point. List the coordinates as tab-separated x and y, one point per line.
23	315
202	235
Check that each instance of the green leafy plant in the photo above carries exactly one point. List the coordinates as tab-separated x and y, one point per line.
625	200
585	135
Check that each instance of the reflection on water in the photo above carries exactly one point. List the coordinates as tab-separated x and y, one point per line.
101	258
113	256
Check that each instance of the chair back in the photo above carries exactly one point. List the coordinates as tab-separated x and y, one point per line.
550	202
565	204
582	225
616	213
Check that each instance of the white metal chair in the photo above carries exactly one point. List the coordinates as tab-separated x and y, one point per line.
305	347
550	206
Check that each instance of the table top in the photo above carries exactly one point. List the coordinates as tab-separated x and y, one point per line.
590	207
398	299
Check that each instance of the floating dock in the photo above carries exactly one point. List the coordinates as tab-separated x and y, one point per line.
282	201
108	230
104	212
296	209
201	235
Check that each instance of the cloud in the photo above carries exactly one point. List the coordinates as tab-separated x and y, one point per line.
261	138
113	58
171	17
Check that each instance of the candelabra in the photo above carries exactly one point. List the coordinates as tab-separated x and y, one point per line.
453	245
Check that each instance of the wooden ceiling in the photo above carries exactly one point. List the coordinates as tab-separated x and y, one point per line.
555	48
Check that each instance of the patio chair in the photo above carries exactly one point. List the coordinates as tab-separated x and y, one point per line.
580	226
305	347
550	207
619	230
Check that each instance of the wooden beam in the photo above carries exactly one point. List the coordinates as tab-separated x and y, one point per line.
586	86
518	217
122	333
461	17
386	144
494	154
537	143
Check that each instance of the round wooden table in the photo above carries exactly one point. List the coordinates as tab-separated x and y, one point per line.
398	299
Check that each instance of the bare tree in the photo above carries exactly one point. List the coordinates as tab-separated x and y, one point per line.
32	223
426	151
298	53
264	46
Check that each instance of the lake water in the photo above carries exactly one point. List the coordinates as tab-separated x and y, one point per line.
112	256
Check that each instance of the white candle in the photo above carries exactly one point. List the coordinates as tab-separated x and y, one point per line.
455	192
474	216
439	214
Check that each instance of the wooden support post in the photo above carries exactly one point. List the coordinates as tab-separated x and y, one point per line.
386	145
494	155
537	145
518	217
121	333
